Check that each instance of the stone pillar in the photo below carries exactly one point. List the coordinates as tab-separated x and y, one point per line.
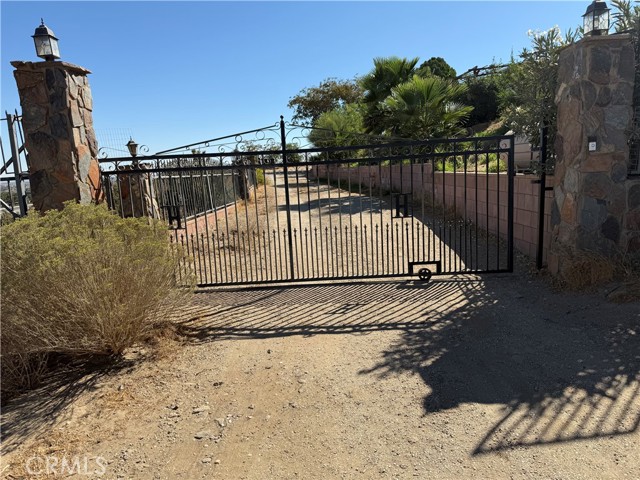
595	103
137	197
61	144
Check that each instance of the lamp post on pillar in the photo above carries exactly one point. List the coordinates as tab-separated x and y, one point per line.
46	43
136	190
596	19
57	119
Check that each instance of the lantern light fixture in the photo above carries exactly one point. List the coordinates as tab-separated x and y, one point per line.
596	19
46	43
132	147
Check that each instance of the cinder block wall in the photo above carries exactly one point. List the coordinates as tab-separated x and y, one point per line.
483	200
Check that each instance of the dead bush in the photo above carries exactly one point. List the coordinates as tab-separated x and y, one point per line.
584	270
79	282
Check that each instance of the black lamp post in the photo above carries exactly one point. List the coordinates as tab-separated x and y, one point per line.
132	147
46	43
596	19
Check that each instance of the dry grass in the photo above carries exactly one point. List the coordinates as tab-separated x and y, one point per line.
249	218
81	282
57	445
584	271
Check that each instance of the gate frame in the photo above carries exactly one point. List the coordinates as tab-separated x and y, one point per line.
134	167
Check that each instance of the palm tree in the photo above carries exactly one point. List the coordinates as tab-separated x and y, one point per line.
425	108
387	74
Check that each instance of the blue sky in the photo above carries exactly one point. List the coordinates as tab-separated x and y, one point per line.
173	73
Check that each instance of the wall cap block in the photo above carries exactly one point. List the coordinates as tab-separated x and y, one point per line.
19	64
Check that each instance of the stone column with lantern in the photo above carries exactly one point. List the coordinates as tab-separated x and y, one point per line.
596	207
136	193
57	119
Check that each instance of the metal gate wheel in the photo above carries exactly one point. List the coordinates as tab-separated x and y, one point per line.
424	274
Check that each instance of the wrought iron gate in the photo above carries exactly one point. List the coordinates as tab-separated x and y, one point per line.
263	209
14	195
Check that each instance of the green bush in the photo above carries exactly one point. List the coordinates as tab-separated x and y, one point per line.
496	166
449	164
78	282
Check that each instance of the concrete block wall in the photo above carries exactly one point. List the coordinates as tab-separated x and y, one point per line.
482	199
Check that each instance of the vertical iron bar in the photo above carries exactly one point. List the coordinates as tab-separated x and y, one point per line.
466	235
511	174
266	212
217	252
498	239
17	169
370	214
477	256
487	216
317	167
314	268
299	253
341	251
285	167
454	246
541	199
249	180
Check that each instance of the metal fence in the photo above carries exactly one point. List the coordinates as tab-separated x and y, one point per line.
14	180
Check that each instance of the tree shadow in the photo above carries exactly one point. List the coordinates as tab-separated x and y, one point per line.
46	403
340	205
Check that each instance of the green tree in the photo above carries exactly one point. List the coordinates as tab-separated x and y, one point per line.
483	94
627	17
331	94
425	108
340	127
436	66
528	100
387	73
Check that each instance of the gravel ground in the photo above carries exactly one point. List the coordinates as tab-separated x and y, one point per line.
464	377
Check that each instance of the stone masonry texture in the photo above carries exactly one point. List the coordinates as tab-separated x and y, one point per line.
57	119
595	201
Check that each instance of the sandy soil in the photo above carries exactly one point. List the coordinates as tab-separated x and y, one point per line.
464	377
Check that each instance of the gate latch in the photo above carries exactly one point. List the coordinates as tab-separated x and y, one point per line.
173	215
401	205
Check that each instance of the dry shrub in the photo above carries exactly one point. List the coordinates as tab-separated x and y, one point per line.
79	282
583	270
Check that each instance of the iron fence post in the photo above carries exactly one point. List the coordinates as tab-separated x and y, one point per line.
285	166
17	169
541	199
511	171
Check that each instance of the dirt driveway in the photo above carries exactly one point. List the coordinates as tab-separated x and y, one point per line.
460	378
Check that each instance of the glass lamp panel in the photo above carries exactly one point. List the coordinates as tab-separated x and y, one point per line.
588	23
43	46
602	21
55	51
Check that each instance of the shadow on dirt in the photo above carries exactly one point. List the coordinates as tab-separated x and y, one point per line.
46	403
564	367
